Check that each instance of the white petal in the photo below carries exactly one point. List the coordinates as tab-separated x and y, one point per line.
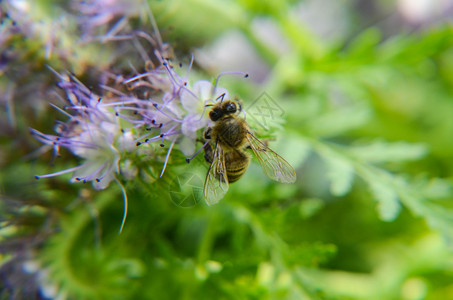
104	182
203	89
88	168
192	100
191	124
173	108
187	146
126	142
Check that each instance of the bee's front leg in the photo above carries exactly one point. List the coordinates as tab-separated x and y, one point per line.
207	133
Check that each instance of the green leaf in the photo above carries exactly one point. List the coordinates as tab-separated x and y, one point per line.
309	207
389	205
293	149
365	42
340	173
340	120
380	151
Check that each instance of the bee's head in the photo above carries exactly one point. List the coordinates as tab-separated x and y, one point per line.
224	108
215	114
230	107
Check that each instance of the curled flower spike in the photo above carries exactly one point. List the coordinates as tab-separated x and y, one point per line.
102	131
94	14
92	133
159	108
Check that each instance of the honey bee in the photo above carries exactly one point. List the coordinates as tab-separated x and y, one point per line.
227	142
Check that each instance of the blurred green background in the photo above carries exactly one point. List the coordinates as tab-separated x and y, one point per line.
366	88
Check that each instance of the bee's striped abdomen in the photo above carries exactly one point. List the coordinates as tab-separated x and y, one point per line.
236	163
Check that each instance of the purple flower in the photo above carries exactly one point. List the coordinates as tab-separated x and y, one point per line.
160	107
176	108
95	14
92	132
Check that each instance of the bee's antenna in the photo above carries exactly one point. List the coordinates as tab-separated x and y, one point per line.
227	73
220	97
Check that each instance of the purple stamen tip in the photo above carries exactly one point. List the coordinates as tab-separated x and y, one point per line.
160	125
155	105
77	178
37	177
147	140
246	75
162	135
98	180
138	144
162	145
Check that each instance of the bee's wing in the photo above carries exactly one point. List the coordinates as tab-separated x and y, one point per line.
216	183
274	166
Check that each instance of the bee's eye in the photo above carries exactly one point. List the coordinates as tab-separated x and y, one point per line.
214	115
231	107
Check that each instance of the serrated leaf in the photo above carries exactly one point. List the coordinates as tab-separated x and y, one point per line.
364	44
389	205
340	173
380	151
293	149
339	121
437	188
309	207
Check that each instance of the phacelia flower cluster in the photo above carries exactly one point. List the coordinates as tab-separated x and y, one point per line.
160	108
